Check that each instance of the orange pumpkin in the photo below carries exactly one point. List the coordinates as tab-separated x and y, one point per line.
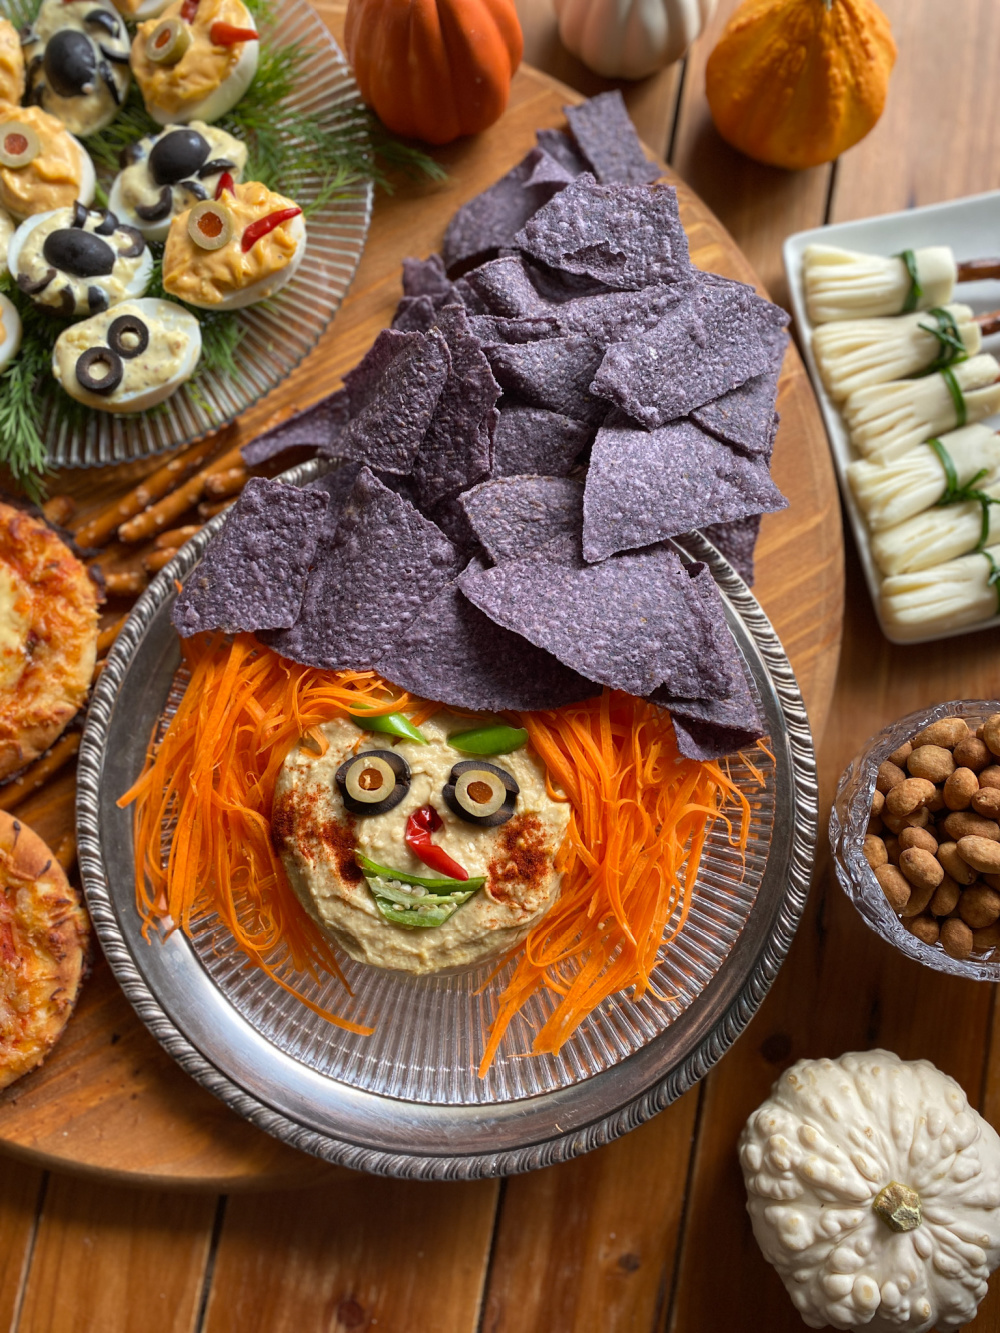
434	69
796	82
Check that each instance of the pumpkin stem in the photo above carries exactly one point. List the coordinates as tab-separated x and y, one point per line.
898	1206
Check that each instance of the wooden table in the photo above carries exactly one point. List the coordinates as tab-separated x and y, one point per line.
649	1233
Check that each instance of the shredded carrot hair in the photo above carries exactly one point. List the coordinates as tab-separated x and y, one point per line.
639	816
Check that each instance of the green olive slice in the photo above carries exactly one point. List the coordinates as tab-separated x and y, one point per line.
370	781
210	225
168	41
373	782
19	144
480	792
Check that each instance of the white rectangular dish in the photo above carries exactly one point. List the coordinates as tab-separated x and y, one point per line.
972	228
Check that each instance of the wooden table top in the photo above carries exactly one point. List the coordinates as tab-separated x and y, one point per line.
649	1233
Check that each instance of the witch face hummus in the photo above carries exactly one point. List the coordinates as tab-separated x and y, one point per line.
508	853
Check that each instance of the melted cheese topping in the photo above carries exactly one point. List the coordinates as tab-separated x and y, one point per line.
11	63
53	179
15	623
202	68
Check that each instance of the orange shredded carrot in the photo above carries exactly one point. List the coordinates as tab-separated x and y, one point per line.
639	817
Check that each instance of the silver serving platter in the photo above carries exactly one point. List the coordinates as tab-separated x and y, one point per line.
408	1103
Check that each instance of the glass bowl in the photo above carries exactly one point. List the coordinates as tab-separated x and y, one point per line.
849	821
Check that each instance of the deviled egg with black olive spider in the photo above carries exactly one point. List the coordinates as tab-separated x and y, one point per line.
166	173
226	253
79	261
10	332
42	166
78	62
196	61
11	63
128	358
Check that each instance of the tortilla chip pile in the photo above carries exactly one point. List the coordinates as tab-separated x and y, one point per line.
560	392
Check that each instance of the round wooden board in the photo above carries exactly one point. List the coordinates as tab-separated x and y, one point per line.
110	1101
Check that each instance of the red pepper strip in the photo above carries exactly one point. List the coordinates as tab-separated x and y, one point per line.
225	34
189	10
262	226
226	182
419	827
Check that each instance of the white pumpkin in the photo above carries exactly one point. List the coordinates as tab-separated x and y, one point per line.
628	39
874	1189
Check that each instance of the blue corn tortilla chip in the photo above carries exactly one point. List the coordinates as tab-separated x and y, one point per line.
555	373
393	393
253	574
704	347
490	329
467	296
426	277
633	623
453	521
643	486
737	541
562	147
491	220
625	236
415	314
316	428
712	728
744	417
610	317
504	287
514	515
457	448
370	578
606	137
535	440
455	655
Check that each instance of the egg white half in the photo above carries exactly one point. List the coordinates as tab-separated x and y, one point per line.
10	338
136	287
6	232
264	287
149	9
221	99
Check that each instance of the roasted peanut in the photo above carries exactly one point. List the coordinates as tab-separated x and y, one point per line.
932	762
901	755
959	789
892	848
936	802
990	776
956	938
945	898
964	824
918	837
925	928
874	852
991	733
972	753
983	854
979	906
875	825
987	938
890	775
986	802
946	731
954	865
894	885
919	899
921	868
992	880
907	797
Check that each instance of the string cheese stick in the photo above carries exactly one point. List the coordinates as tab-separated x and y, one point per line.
944	597
937	535
846	284
855	353
888	493
888	420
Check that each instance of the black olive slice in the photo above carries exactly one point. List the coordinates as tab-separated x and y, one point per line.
34	95
216	167
196	188
97	300
138	244
128	336
481	793
100	18
35	65
373	782
177	155
27	35
67	302
108	225
104	69
80	253
70	63
32	286
116	57
158	211
131	154
19	144
80	214
109	365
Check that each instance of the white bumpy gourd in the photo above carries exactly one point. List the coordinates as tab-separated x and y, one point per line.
874	1189
628	39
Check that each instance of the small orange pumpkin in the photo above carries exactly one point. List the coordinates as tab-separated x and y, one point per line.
434	69
794	83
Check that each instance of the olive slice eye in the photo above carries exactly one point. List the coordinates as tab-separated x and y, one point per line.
19	144
373	782
210	225
99	370
167	42
128	336
481	793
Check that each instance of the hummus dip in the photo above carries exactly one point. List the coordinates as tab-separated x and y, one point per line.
317	837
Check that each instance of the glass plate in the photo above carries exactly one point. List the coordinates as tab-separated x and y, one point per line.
277	333
407	1100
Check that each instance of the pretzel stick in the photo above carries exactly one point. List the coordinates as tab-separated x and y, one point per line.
155	560
176	537
125	583
40	771
59	510
65	851
100	529
207	511
230	482
161	515
107	636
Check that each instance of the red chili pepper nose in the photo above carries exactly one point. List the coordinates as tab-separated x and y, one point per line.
419	827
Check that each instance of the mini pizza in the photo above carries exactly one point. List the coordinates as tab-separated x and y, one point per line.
129	358
42	166
11	63
164	174
10	331
78	53
78	261
226	253
43	949
48	637
196	61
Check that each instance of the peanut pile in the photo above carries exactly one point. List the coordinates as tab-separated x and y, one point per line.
933	838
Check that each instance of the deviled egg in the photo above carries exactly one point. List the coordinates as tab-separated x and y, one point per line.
79	261
78	70
166	173
42	166
128	358
137	10
10	332
226	253
11	63
196	61
6	232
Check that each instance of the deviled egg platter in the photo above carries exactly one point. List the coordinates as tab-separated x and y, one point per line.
77	54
